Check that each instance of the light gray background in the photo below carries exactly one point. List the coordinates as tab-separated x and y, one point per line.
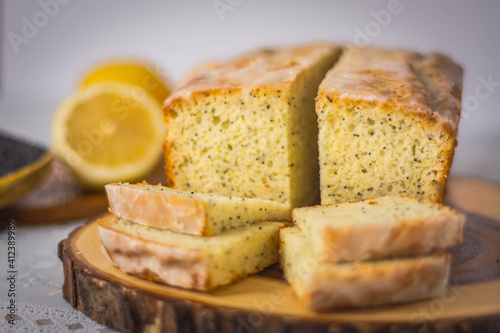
178	34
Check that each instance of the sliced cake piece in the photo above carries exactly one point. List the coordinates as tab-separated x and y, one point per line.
188	261
379	228
325	286
247	127
387	125
189	212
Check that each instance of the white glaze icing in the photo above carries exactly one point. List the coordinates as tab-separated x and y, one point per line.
169	264
267	68
426	85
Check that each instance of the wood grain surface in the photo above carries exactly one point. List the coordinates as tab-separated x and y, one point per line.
265	302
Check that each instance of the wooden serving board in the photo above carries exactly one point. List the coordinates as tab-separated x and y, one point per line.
265	302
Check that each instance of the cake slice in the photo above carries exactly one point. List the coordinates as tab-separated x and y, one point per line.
189	212
187	261
379	228
247	127
387	125
325	286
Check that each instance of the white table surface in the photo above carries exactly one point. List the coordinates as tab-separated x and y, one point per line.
39	281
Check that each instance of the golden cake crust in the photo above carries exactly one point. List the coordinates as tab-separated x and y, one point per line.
269	69
426	86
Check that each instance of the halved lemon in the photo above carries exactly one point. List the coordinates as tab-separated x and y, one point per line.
109	132
136	72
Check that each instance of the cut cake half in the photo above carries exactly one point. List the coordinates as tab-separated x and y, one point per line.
247	127
388	124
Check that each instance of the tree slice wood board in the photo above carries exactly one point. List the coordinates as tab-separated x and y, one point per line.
266	303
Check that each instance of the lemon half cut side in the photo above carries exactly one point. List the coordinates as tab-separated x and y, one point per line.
109	132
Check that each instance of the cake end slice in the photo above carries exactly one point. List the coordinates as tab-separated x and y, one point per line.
323	287
384	227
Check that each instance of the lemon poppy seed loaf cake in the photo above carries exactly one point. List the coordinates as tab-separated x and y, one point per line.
387	125
189	212
378	228
189	261
248	128
325	286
